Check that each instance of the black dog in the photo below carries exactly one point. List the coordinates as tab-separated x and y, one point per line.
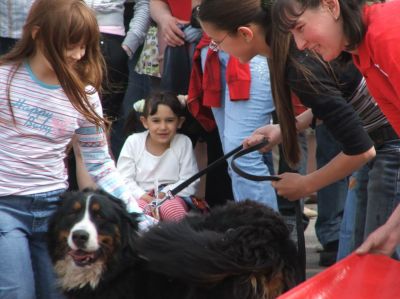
239	251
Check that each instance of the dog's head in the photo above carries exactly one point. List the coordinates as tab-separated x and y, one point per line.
89	237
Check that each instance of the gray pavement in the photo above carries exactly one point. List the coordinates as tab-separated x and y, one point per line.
312	247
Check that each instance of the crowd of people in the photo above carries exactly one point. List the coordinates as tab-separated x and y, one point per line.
91	90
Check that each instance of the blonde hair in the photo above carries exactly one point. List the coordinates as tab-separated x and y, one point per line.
61	24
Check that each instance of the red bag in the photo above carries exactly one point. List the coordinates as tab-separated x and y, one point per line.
355	277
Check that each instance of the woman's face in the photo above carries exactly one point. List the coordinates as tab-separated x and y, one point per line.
320	30
238	45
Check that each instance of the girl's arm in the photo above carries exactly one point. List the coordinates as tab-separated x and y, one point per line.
187	166
273	132
294	186
126	166
94	149
138	26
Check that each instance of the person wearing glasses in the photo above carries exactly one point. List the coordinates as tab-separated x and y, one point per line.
239	96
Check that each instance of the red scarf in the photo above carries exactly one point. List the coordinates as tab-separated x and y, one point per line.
205	88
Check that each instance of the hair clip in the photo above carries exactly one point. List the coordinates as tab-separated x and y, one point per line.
182	99
139	105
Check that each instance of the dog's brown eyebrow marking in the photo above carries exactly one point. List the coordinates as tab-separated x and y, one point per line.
96	207
77	206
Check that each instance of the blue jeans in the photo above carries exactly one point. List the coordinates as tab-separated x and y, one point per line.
346	235
378	192
137	89
237	120
331	199
26	271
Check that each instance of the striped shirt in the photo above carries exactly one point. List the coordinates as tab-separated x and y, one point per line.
32	151
367	108
111	13
13	14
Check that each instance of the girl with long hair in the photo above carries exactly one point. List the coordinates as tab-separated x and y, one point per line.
48	91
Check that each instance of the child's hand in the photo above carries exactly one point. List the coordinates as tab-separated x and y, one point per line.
161	195
147	198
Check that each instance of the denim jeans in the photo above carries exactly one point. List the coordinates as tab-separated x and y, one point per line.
237	120
26	271
377	190
346	235
331	199
137	89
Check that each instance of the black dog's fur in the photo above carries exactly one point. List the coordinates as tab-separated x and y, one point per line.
239	251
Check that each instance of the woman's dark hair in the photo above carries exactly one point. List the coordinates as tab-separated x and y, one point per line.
286	12
151	104
280	47
229	15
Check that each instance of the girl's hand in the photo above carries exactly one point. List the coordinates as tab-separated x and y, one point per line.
382	241
147	198
161	194
270	132
292	186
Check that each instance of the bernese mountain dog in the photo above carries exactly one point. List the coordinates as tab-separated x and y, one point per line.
237	251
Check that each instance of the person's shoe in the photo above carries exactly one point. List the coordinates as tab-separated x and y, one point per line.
327	257
310	213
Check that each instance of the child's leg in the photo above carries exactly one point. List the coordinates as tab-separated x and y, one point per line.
173	209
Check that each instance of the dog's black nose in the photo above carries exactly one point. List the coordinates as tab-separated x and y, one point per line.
80	237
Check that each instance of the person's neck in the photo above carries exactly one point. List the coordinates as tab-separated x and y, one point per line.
42	69
155	149
261	47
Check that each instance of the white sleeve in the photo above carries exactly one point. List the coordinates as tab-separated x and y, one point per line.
126	165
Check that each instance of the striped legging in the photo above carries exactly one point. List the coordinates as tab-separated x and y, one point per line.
173	209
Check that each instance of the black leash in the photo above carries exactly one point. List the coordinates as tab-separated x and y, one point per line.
171	193
249	176
301	247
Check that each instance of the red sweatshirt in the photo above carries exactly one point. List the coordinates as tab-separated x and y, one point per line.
205	87
181	9
378	57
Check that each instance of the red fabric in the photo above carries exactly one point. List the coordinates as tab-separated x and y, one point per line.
355	277
181	9
299	108
205	88
378	57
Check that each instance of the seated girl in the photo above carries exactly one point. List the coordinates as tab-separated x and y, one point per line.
159	159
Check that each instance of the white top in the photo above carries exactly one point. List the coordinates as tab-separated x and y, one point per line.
140	169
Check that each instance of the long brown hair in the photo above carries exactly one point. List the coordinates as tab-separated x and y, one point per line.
280	47
62	24
229	15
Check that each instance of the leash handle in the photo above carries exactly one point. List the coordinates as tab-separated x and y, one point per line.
249	176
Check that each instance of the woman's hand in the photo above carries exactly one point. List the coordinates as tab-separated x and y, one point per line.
170	31
382	241
270	132
292	186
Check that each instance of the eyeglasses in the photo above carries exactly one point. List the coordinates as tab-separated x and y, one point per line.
215	45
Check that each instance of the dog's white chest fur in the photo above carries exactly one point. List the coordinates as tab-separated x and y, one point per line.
71	276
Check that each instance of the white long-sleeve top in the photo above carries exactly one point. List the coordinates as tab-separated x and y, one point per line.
140	169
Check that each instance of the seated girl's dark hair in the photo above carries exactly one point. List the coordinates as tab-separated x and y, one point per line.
169	99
